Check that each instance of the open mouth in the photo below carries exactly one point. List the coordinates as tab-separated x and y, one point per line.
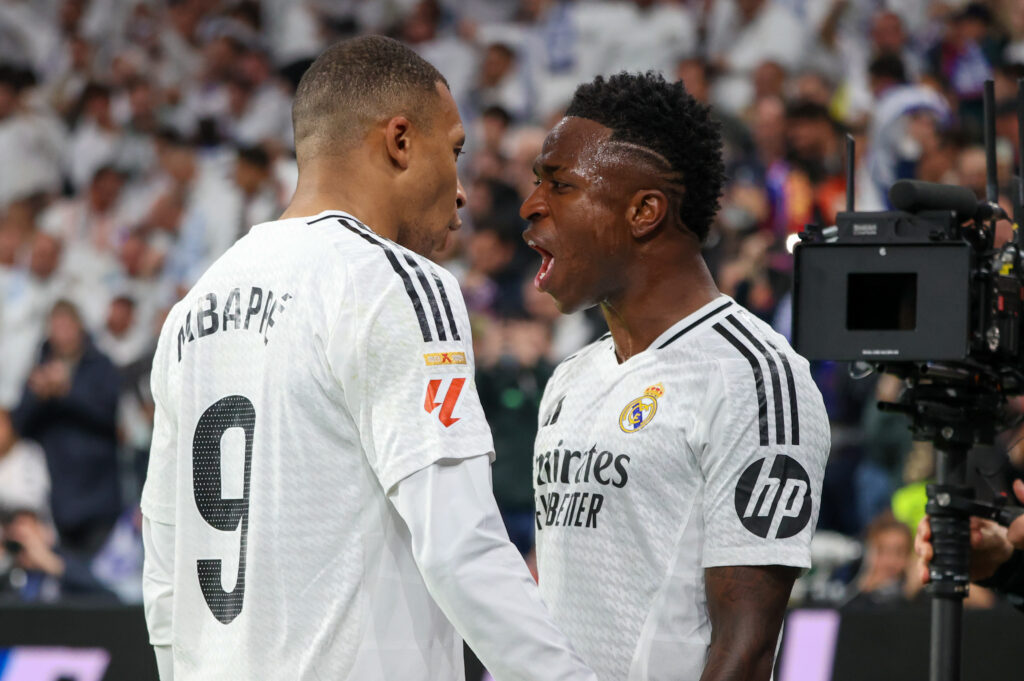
547	261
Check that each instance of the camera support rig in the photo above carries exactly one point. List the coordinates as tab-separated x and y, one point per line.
960	350
954	407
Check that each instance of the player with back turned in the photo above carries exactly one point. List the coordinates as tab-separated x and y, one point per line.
679	459
318	503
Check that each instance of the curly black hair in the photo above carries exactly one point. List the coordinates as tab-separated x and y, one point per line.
646	110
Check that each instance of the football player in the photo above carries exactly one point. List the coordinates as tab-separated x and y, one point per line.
679	459
318	503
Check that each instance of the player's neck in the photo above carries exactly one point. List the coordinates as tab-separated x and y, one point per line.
326	187
656	299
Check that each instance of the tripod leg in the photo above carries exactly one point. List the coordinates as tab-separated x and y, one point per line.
946	639
951	539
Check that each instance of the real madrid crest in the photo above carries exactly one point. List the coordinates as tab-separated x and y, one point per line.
640	411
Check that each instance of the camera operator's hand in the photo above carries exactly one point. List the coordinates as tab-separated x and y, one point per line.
1016	531
989	548
991	544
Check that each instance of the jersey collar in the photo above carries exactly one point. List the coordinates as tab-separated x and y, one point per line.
693	321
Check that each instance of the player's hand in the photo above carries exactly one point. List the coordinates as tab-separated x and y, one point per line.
990	547
1015	533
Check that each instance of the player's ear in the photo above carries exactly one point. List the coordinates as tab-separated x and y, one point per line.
398	140
646	212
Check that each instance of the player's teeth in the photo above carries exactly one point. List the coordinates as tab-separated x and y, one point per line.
530	244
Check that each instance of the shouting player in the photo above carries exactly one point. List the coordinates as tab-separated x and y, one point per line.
318	503
679	459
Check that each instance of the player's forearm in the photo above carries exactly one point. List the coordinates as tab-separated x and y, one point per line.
158	590
746	606
739	661
164	662
478	578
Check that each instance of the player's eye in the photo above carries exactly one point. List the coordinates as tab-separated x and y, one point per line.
458	152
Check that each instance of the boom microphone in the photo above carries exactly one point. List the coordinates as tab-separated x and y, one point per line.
914	196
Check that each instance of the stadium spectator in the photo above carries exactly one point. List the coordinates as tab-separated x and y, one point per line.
31	291
510	387
24	480
887	564
69	407
256	189
39	569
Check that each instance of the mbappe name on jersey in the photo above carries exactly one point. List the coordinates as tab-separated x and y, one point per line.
576	509
211	318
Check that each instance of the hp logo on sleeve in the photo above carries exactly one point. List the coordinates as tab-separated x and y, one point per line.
773	497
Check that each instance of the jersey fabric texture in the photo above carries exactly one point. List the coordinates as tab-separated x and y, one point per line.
707	449
311	368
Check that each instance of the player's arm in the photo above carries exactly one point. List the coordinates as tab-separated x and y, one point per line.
760	504
476	575
426	438
158	532
746	606
158	591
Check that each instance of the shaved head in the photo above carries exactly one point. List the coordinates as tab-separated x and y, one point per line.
355	84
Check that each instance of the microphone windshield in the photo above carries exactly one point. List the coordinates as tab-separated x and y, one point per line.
914	196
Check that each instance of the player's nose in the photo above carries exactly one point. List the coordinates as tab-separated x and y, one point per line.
460	194
534	208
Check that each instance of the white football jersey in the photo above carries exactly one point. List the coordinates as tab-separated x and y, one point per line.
707	449
310	369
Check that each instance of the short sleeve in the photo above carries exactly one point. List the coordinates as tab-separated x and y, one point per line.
762	489
158	494
402	351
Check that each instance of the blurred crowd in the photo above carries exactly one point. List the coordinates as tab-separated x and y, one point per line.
140	138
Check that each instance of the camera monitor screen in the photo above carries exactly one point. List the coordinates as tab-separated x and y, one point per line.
888	302
881	301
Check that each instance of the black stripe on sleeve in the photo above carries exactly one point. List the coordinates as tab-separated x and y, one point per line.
791	385
410	289
446	304
697	323
762	399
780	425
431	300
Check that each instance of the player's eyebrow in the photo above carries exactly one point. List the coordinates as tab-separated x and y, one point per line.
540	169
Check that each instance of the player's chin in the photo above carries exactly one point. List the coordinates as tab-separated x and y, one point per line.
565	301
439	247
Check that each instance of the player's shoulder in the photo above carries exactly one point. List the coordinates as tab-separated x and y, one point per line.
758	372
737	339
388	281
377	259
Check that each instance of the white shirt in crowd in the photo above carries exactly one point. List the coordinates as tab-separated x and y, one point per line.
24	479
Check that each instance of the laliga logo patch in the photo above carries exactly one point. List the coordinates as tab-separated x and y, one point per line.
447	405
640	411
773	497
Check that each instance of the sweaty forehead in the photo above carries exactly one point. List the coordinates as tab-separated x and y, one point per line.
574	143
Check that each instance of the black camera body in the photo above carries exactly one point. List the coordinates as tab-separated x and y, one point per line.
901	286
